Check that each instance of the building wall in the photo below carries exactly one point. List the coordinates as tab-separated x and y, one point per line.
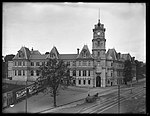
10	71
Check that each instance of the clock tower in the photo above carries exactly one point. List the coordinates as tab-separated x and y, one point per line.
98	42
98	52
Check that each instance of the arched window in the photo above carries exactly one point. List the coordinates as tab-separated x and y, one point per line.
32	73
98	43
74	72
84	53
98	54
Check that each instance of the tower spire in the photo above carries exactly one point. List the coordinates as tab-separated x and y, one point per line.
99	16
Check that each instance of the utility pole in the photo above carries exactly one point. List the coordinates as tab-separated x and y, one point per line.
118	96
26	98
131	86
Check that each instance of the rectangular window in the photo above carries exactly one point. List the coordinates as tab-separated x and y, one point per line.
73	63
98	54
15	63
74	72
111	64
23	72
19	63
15	72
79	72
111	74
37	64
23	63
89	63
84	63
74	81
89	82
37	73
89	73
19	72
79	82
84	82
32	63
79	63
84	73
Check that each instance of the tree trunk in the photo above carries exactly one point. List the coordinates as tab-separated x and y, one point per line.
54	94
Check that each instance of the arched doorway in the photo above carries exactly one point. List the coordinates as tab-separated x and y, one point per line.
98	81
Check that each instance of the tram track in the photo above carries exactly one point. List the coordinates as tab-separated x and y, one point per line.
122	88
110	102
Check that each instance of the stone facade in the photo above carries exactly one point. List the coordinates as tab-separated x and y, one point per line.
96	69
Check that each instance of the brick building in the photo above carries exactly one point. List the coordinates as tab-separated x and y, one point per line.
96	69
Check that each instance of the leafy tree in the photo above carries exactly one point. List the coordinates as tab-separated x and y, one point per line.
53	75
137	69
140	69
127	71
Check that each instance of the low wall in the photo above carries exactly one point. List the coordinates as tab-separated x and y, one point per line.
16	82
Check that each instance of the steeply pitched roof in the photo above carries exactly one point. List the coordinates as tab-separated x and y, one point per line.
85	53
53	51
23	53
112	53
27	52
68	56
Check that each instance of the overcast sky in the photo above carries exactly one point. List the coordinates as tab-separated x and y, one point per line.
68	26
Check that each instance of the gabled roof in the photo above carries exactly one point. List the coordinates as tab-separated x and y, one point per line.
68	56
53	51
112	53
24	53
126	56
85	53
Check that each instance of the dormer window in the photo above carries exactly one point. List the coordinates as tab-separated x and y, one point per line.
84	53
20	54
52	55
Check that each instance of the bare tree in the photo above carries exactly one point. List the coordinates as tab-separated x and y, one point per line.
53	75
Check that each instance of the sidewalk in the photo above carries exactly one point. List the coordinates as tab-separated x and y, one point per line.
42	102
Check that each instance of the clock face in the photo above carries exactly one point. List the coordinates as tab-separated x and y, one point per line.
98	33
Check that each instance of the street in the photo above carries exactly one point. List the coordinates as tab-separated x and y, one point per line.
108	103
73	97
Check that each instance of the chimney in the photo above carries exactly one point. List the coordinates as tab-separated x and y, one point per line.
133	58
78	51
119	55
